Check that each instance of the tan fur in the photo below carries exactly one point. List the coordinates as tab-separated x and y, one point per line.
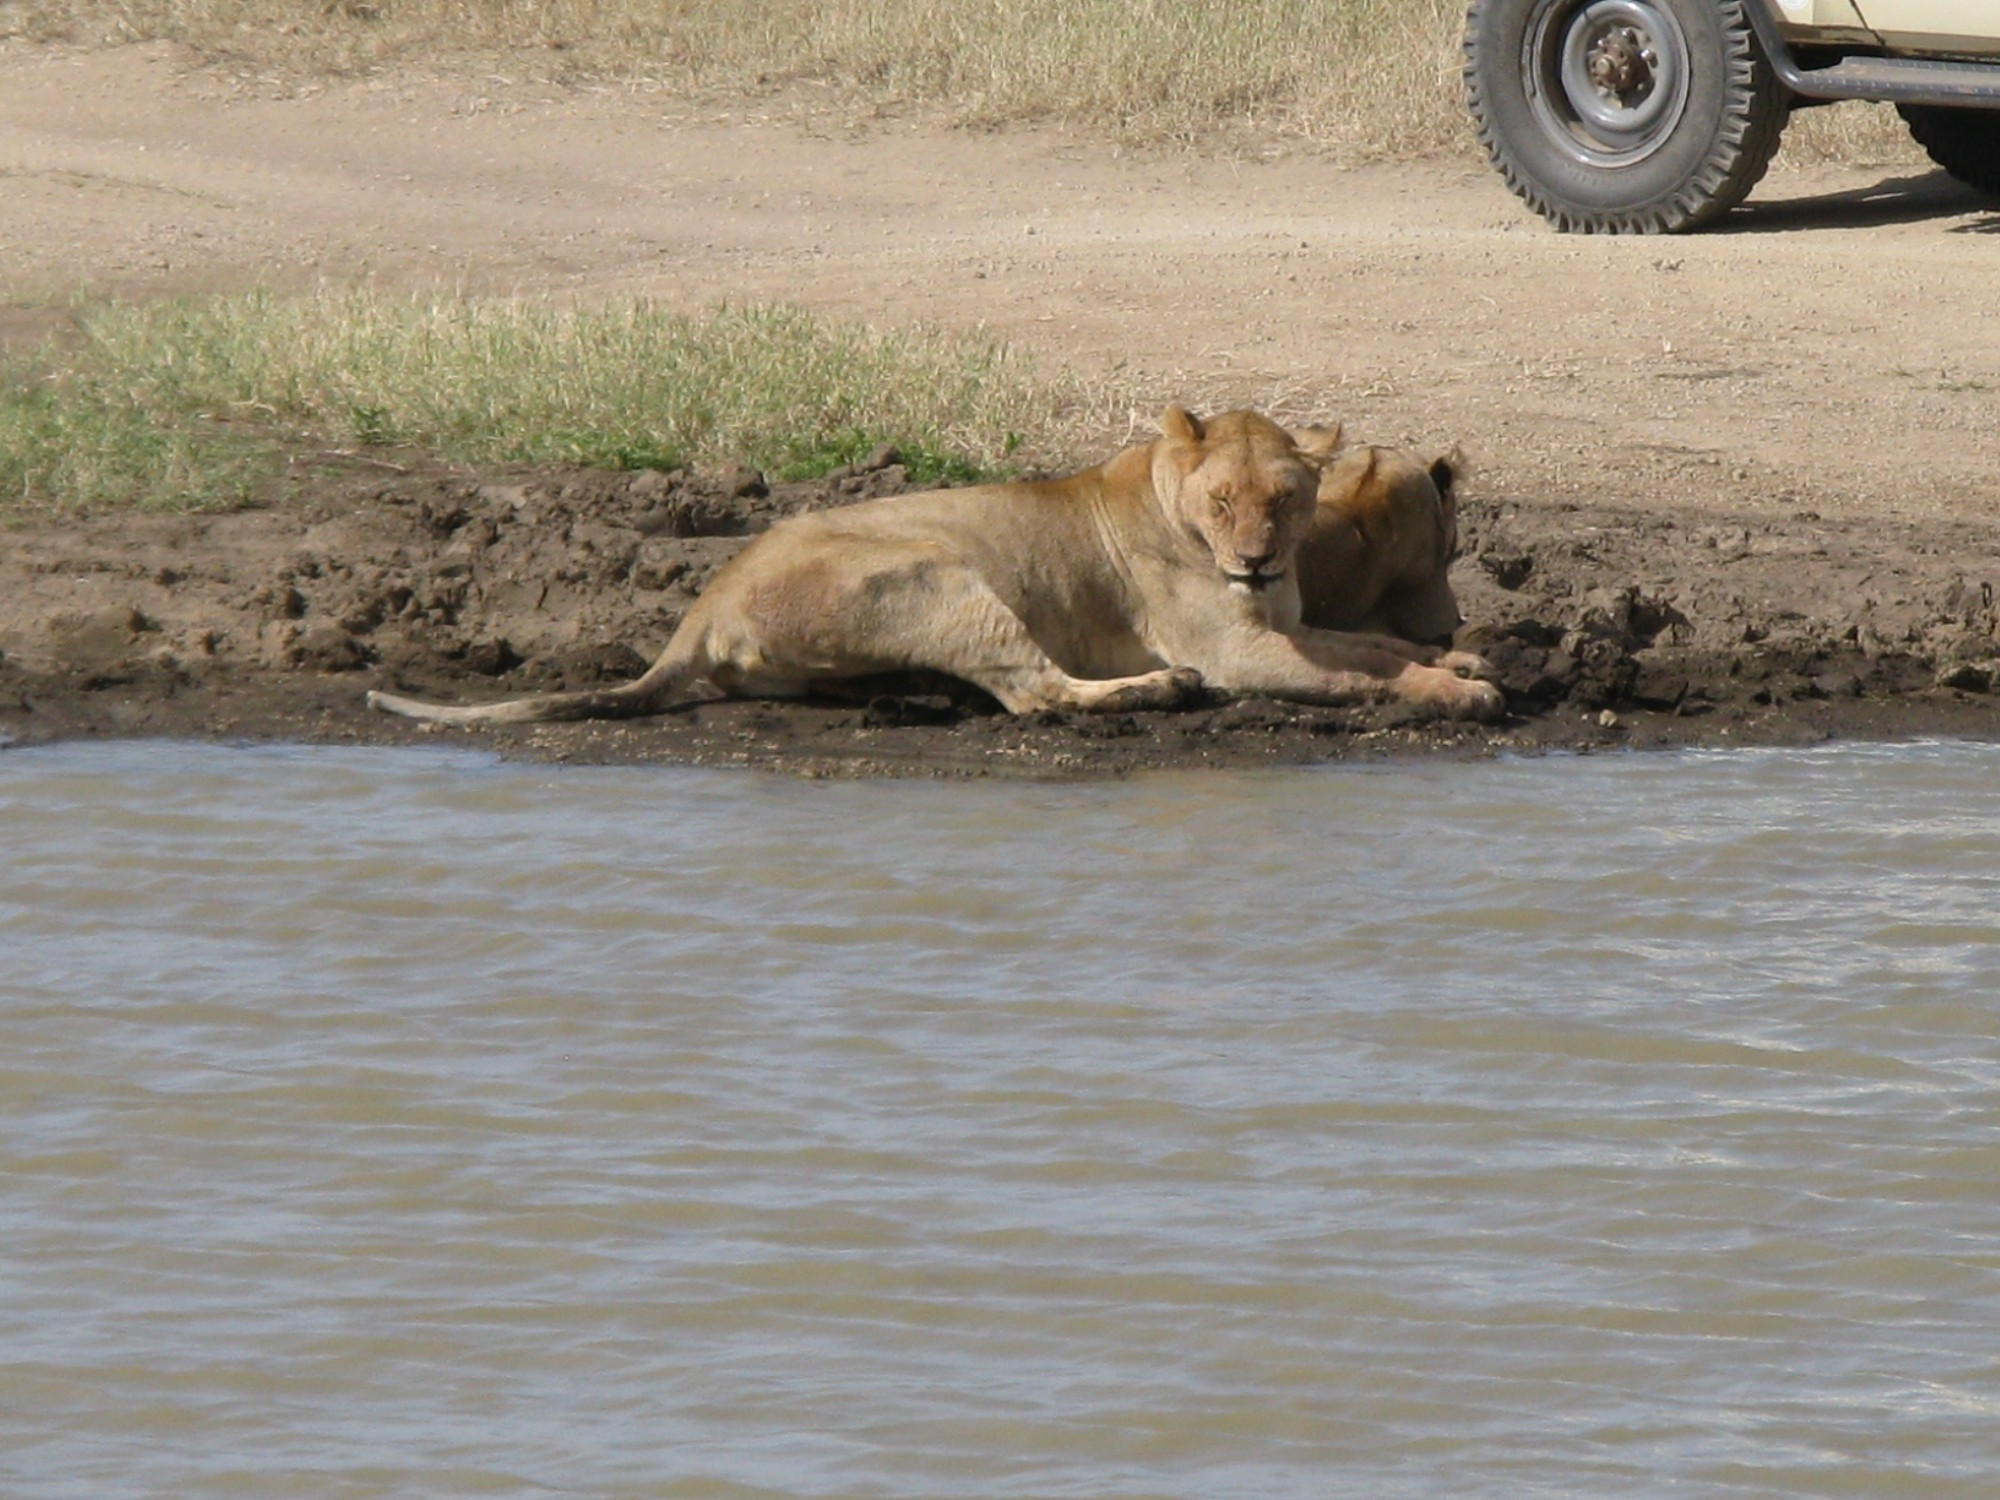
1381	545
1125	586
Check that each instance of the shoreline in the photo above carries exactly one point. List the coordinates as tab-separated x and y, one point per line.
1609	629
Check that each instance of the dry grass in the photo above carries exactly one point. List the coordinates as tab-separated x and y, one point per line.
1859	134
1361	77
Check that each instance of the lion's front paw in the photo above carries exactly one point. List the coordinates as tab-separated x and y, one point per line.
1465	664
1478	700
1450	696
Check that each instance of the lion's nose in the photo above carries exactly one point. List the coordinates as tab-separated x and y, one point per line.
1256	562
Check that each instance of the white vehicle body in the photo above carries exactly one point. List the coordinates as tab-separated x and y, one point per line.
1943	28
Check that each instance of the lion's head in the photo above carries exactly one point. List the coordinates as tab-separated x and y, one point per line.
1242	486
1379	554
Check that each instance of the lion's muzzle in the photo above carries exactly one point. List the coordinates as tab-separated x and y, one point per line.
1252	580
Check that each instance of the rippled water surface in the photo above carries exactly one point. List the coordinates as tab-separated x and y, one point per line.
411	1124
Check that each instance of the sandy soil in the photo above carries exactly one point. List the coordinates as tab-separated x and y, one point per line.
1731	488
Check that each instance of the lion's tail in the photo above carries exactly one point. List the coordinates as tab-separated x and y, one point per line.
663	684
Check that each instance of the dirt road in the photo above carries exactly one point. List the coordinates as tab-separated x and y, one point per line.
1792	424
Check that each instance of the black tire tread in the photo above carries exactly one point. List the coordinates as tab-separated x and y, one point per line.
1753	122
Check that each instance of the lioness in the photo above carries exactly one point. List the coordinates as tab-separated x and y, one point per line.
1125	586
1381	545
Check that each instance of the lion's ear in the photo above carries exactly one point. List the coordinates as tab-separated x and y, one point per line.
1316	444
1181	425
1446	474
1447	471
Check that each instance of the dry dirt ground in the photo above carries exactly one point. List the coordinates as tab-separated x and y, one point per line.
1734	488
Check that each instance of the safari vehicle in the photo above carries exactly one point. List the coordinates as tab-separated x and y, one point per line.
1652	116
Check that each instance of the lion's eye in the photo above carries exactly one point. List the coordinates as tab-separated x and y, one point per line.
1222	506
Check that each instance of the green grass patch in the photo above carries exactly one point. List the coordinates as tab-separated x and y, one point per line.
926	463
205	402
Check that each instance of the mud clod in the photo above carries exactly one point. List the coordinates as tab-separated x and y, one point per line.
491	658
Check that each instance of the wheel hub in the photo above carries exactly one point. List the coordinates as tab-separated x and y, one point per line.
1619	64
1610	77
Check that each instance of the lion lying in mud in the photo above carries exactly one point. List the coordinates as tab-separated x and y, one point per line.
1130	585
1381	546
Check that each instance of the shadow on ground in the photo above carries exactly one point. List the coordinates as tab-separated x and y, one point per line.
1895	200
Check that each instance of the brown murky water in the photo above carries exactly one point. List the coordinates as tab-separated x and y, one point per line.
409	1124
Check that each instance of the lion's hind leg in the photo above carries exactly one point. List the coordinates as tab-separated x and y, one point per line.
1029	689
928	610
983	641
1168	687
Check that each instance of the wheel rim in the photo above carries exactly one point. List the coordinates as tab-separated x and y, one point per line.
1607	79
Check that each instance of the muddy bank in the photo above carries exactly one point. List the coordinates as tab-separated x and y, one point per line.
1611	627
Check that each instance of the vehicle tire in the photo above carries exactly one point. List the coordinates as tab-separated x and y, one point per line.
1965	142
1623	116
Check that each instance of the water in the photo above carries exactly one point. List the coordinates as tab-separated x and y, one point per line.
410	1124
